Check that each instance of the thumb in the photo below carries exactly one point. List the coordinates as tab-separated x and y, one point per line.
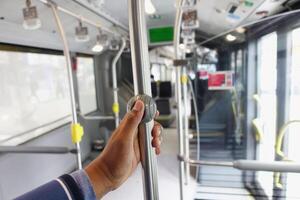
132	119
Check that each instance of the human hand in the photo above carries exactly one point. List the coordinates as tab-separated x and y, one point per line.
121	156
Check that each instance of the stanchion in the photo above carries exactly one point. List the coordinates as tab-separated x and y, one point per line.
116	106
142	86
76	128
177	26
184	81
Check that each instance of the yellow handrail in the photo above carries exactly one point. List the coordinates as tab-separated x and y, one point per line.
256	97
233	104
257	123
280	137
258	130
277	178
279	152
234	110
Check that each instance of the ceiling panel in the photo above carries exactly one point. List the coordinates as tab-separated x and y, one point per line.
11	30
212	14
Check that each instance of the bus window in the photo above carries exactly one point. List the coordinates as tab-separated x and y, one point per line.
232	61
239	66
86	85
267	83
156	72
34	95
294	114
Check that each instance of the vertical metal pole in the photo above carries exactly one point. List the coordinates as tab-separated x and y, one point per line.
70	77
180	129
115	83
184	81
179	95
197	123
142	85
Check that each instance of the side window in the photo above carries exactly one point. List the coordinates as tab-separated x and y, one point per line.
294	114
232	61
34	95
86	85
239	66
266	112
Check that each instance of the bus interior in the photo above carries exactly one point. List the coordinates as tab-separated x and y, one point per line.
224	76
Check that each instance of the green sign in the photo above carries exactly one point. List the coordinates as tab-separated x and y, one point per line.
162	34
249	3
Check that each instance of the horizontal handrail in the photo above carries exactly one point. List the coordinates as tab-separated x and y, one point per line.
98	117
36	150
250	165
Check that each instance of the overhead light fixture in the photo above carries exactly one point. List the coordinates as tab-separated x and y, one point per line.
182	46
240	30
189	49
149	7
230	38
102	42
31	19
81	33
98	47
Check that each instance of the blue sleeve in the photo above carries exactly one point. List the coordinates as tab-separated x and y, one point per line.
76	186
85	185
50	191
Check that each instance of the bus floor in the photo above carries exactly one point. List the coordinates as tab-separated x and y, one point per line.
216	183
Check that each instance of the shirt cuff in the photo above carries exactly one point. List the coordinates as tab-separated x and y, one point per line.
84	184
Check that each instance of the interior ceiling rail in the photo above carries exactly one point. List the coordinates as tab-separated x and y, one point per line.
83	19
249	24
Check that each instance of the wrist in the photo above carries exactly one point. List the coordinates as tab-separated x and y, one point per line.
99	180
